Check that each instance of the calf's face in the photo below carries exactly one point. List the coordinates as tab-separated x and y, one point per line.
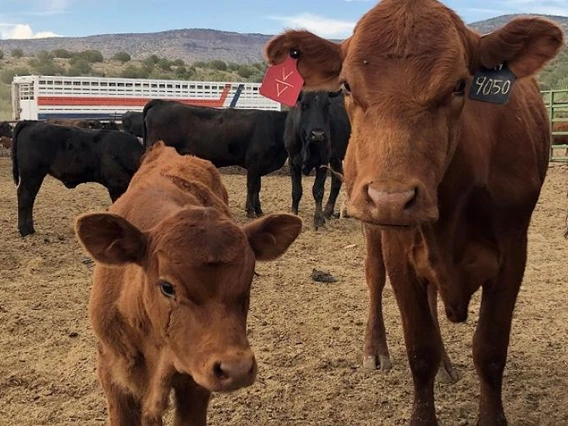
313	115
405	73
198	268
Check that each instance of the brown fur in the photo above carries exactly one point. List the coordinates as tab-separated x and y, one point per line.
72	123
172	226
6	142
430	174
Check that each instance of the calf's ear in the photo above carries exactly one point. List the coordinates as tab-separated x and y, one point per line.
319	60
110	239
526	44
270	236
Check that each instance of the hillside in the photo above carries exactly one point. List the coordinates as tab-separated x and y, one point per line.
492	24
187	44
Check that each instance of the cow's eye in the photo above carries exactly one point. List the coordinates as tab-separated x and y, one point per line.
459	90
167	289
345	87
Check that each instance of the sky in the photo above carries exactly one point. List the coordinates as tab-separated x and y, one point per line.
327	18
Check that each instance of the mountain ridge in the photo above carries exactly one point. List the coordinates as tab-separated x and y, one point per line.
195	44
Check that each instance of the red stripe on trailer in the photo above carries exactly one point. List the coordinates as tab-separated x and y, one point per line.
129	102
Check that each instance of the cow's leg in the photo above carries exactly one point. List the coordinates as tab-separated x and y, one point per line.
491	339
27	192
251	187
296	176
423	345
376	353
256	201
191	404
123	408
446	373
317	191
335	187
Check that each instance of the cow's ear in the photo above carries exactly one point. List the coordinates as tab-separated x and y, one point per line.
319	60
110	239
270	236
526	44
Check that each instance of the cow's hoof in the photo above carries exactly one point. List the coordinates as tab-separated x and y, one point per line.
259	213
26	231
251	214
447	375
330	215
373	362
319	222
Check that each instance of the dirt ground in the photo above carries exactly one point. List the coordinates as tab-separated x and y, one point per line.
307	336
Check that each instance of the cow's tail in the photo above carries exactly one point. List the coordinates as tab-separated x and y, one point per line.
147	108
15	168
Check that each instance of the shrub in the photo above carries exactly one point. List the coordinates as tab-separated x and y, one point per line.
8	74
122	57
17	53
246	71
61	53
217	65
164	64
132	71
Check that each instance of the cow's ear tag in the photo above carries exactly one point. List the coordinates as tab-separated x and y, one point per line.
283	83
492	84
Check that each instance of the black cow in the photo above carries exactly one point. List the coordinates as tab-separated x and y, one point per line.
132	123
5	129
252	139
316	135
71	155
109	125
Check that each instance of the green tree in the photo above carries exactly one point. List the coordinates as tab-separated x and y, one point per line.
61	53
178	63
132	71
246	71
17	53
200	64
80	67
164	64
8	74
217	64
1	54
122	57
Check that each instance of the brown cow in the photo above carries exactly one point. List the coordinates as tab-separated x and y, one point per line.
430	173
83	124
171	289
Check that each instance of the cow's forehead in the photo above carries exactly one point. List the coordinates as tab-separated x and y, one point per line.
406	29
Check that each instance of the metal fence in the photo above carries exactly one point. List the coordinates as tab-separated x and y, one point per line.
556	102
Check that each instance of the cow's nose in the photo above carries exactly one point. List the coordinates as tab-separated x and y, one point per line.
317	134
235	372
398	200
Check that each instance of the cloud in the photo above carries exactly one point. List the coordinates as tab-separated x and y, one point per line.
22	31
326	27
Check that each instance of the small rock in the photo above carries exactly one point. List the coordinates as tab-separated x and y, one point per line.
73	334
350	246
87	261
322	277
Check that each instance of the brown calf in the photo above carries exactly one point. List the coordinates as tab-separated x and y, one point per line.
430	173
171	289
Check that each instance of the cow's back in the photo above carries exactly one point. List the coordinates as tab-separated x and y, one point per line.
166	181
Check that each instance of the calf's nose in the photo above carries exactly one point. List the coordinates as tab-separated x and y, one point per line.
235	372
317	135
392	199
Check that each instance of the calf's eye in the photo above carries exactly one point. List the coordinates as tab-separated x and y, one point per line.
459	90
167	289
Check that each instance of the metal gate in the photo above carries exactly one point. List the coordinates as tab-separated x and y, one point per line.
556	102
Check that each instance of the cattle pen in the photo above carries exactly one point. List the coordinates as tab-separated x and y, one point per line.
556	102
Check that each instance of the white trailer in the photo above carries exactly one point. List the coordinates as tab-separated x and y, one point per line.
44	97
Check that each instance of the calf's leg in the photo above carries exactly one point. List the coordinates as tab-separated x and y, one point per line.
491	339
27	192
317	191
335	187
123	408
256	200
376	352
446	373
253	186
423	344
191	401
296	177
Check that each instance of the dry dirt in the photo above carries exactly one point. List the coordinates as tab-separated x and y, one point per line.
307	336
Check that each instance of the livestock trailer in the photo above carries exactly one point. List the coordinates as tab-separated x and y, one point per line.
43	97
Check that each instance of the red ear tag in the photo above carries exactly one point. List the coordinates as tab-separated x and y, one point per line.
283	83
